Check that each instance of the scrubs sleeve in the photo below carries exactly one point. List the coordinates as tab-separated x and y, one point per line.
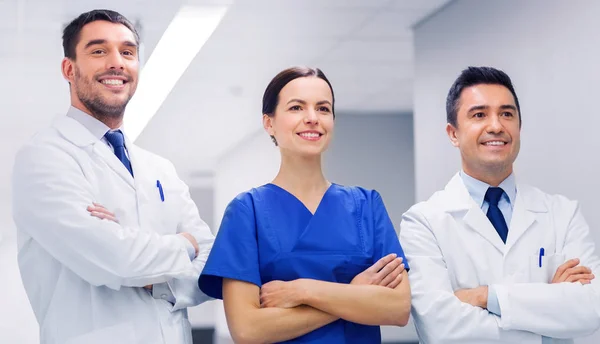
386	239
234	254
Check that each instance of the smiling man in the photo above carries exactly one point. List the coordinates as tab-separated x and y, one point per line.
493	260
110	243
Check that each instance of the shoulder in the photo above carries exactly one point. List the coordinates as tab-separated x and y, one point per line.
246	200
538	200
360	195
46	147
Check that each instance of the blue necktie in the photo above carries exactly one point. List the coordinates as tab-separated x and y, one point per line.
117	141
492	196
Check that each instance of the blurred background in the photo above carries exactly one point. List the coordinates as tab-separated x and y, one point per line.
391	62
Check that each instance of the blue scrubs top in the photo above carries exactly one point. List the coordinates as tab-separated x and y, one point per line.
268	234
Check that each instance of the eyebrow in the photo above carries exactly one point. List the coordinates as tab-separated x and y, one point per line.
303	102
485	107
103	41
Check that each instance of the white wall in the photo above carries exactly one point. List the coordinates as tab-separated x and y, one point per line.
550	49
374	151
17	321
254	162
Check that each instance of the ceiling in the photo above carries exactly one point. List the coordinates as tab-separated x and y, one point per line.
363	46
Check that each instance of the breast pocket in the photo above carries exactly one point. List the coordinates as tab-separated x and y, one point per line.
542	269
160	205
352	266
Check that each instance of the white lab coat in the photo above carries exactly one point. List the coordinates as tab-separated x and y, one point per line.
84	276
450	244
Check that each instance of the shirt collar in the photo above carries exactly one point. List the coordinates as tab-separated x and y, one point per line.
477	188
92	124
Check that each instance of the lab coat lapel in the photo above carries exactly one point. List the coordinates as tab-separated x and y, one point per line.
76	133
113	162
460	204
527	204
144	181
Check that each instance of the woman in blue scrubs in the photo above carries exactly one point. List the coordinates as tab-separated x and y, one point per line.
301	259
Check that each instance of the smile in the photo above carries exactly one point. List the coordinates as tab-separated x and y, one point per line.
495	143
310	135
115	82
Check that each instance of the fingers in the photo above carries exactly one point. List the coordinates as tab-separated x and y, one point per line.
192	240
561	269
381	263
97	210
398	279
388	269
579	277
574	271
386	279
104	216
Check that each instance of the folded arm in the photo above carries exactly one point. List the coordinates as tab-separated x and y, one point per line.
363	304
561	310
439	314
50	198
249	323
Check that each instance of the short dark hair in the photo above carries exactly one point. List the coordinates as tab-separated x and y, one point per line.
473	76
71	33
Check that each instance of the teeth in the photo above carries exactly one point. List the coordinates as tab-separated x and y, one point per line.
309	135
495	143
112	82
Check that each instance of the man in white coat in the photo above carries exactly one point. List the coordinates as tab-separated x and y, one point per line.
493	260
110	243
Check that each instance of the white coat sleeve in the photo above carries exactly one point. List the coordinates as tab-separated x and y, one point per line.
439	316
564	310
186	292
50	200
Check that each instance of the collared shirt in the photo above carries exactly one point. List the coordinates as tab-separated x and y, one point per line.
477	190
99	129
96	127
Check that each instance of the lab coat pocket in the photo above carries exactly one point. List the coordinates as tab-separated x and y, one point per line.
545	272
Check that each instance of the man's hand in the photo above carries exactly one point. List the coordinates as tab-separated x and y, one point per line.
570	272
193	241
281	294
386	272
476	297
100	212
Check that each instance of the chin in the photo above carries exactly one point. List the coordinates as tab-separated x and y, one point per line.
309	153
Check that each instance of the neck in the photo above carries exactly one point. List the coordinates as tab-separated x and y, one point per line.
113	122
301	175
492	177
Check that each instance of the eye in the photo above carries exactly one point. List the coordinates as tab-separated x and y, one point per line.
323	109
128	53
295	108
507	114
479	115
97	52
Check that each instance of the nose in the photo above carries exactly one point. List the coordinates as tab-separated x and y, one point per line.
311	117
114	60
495	125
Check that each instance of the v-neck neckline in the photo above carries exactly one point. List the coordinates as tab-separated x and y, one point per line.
302	203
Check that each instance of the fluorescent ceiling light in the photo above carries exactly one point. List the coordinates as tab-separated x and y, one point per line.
181	42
